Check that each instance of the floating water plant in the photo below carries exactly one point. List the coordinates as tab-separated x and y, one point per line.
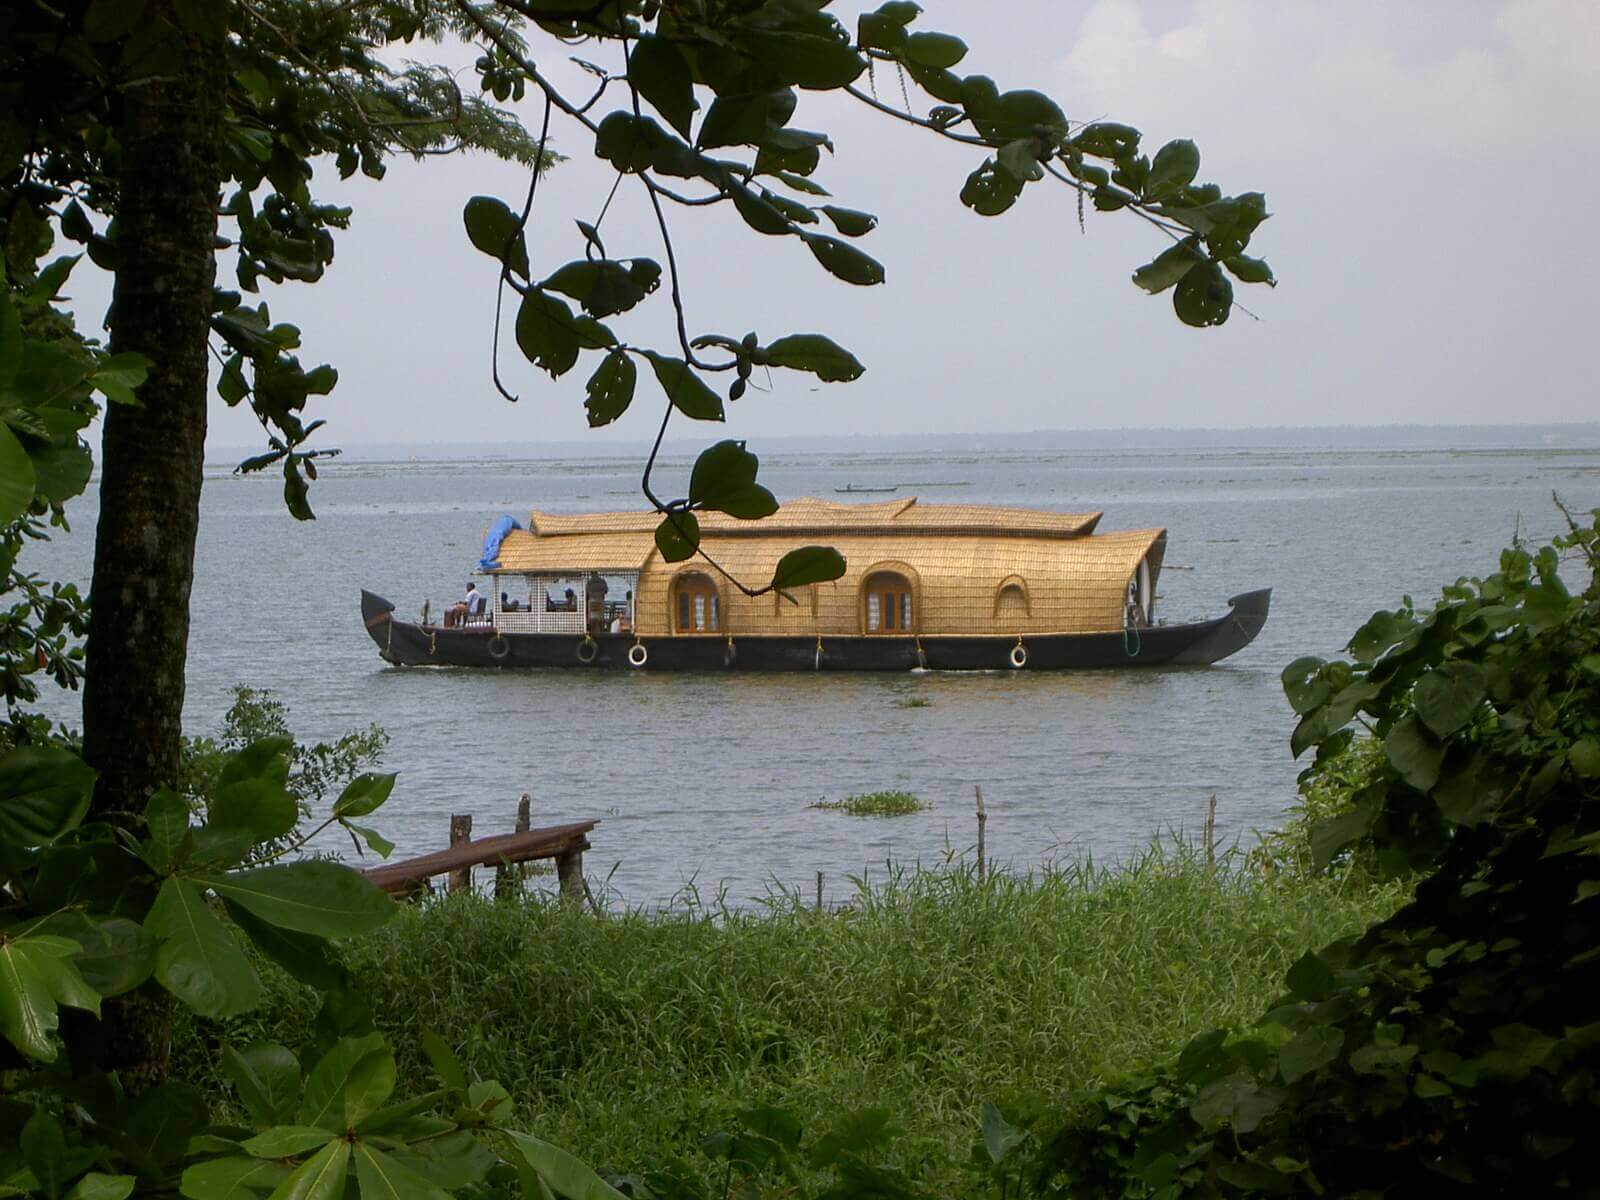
876	804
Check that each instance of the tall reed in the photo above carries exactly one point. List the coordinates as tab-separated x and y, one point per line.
627	1036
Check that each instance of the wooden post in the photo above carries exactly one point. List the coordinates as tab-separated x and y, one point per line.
461	831
507	878
819	891
569	876
1211	833
983	817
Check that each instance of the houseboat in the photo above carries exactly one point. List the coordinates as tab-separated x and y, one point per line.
927	586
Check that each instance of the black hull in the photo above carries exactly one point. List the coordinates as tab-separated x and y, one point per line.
408	644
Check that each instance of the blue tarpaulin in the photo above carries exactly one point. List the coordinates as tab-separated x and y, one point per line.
491	542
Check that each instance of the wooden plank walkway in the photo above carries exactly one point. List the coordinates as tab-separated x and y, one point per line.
564	843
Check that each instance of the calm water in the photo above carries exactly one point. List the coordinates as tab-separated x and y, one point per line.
706	779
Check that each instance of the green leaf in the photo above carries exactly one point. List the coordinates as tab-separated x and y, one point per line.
933	49
1005	118
678	536
233	1178
1170	266
286	1141
723	480
376	842
804	60
117	955
989	190
27	1009
738	120
1584	757
351	1081
305	956
320	1177
313	896
1329	837
44	790
605	286
1020	160
493	228
563	1172
1000	1137
157	1130
550	335
1204	296
1308	1051
843	260
1173	168
166	817
1250	270
687	392
808	564
262	805
849	221
659	72
198	959
382	1177
44	1149
364	794
1310	978
1413	753
610	389
1446	697
444	1061
95	1186
757	212
61	471
267	1077
824	358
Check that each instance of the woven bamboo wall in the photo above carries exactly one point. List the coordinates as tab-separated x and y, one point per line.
1076	582
1075	586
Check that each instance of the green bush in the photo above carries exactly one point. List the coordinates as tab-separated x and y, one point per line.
1454	1048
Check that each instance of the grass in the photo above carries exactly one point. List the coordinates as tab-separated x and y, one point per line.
625	1037
914	702
876	804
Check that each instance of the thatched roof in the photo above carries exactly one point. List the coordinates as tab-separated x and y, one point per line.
810	516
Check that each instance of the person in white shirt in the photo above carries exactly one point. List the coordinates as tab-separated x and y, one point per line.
468	608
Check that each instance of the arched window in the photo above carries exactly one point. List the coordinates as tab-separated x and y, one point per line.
1011	598
887	603
696	604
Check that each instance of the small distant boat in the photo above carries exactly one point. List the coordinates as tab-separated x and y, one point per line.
933	586
851	489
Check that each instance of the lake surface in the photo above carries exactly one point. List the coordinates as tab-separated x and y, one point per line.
703	782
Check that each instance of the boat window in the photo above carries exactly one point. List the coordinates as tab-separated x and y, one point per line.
697	606
888	603
1011	600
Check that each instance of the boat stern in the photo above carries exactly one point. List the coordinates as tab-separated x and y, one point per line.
1232	633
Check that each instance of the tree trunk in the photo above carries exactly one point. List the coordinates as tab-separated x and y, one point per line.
151	463
152	455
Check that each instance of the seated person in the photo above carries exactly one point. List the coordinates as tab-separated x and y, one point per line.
476	602
468	606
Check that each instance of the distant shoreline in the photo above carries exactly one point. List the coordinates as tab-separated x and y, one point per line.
1574	436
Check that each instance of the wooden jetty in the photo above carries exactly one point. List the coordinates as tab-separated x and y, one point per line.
563	843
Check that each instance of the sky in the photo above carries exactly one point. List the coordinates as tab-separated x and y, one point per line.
1430	165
